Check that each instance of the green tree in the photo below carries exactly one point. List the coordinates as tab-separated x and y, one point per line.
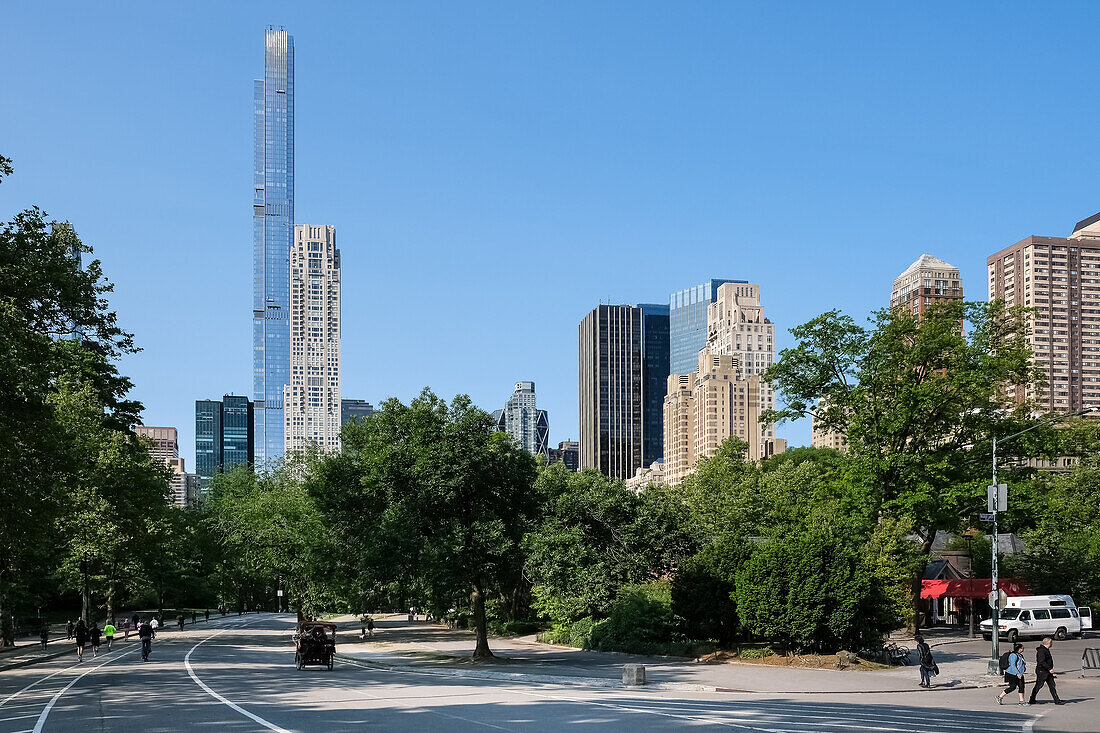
595	537
429	496
919	401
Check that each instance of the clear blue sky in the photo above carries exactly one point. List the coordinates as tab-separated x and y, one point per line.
496	169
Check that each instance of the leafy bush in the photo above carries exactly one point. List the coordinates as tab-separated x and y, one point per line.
702	595
756	653
641	613
513	628
576	634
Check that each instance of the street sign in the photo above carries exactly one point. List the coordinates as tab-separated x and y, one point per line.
996	497
997	599
279	593
986	516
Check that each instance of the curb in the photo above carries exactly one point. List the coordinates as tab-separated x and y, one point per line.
609	682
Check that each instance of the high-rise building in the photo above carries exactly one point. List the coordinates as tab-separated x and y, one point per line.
165	441
655	356
354	410
687	324
567	453
926	281
312	398
610	369
723	396
1060	278
521	419
165	449
272	237
223	436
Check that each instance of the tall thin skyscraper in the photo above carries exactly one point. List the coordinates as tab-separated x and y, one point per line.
272	237
655	357
223	435
313	396
687	324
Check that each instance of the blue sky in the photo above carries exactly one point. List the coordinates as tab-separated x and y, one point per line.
497	169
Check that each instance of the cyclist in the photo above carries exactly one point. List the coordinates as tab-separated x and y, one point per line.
145	633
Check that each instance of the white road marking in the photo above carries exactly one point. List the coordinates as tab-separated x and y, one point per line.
219	698
53	700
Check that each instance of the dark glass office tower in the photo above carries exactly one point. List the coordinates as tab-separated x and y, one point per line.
687	315
223	435
272	237
655	371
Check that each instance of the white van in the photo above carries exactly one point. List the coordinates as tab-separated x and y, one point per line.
1056	616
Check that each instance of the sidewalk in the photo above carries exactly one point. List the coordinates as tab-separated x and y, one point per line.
422	645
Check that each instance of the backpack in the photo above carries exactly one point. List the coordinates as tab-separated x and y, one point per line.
1003	661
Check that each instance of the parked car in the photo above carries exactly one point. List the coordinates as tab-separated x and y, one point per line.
1056	616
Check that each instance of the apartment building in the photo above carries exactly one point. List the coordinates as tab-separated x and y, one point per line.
1060	278
926	281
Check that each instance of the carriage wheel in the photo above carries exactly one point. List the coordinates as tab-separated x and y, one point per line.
331	661
298	661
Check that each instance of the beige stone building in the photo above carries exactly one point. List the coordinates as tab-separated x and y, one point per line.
822	437
654	475
926	281
1060	278
725	396
183	487
312	398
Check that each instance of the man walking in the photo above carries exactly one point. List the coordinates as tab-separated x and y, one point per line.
1044	672
44	636
179	621
80	632
95	633
207	614
109	634
145	633
69	629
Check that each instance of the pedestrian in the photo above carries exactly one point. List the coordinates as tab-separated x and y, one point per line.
370	627
80	633
179	621
95	633
146	633
1014	673
207	612
927	663
155	623
1044	672
44	635
69	630
109	633
135	621
194	618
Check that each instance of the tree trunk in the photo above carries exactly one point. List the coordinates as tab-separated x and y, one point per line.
481	651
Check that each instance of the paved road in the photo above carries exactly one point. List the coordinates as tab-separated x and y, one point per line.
237	674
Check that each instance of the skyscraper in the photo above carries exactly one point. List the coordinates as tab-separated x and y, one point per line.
1060	278
567	453
521	419
165	449
924	282
610	375
272	237
723	396
223	435
655	356
312	397
687	324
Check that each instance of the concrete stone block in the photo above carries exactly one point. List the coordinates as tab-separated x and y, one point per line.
633	674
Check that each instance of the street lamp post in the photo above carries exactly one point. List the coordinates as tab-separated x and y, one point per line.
996	500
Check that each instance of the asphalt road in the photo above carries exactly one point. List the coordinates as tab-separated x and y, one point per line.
237	674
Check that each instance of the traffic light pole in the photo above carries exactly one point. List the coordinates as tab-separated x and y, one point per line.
994	660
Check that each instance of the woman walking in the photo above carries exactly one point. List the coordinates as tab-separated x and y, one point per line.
81	634
95	633
1014	674
927	663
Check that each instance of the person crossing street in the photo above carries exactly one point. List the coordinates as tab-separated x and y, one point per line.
1044	672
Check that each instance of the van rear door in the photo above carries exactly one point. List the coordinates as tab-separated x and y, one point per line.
1086	617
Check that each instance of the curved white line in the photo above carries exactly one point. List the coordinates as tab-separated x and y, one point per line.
49	706
219	698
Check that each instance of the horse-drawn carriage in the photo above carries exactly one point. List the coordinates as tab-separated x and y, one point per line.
315	643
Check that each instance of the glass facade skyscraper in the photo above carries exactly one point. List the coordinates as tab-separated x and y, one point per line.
223	435
687	324
272	237
655	361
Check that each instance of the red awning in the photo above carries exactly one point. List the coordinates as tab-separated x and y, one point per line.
970	588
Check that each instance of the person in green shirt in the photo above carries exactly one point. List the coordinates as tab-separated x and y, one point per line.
109	634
